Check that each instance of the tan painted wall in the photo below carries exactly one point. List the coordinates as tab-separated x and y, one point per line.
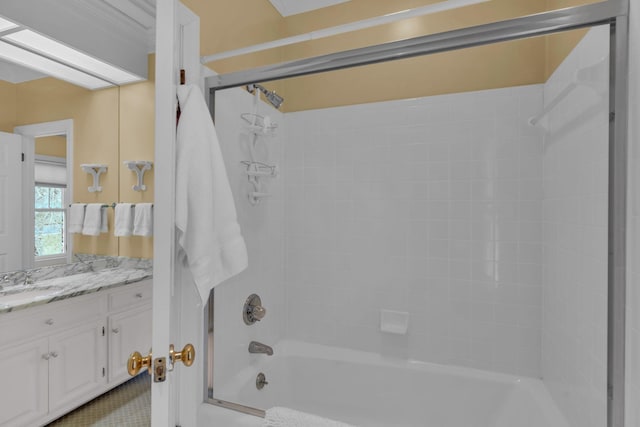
7	106
52	146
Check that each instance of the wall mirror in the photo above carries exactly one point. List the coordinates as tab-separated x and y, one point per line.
57	116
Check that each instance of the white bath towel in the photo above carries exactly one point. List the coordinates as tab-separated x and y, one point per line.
123	220
95	220
143	220
206	221
76	217
285	417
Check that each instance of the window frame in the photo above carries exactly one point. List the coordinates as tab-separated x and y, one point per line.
43	260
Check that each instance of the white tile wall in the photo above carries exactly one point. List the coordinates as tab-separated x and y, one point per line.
633	240
430	206
262	228
574	338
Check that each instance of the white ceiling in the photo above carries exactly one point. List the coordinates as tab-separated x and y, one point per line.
120	32
13	73
293	7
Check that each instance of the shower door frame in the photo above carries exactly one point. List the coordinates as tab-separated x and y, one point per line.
610	12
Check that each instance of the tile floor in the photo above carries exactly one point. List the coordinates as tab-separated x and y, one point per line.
128	405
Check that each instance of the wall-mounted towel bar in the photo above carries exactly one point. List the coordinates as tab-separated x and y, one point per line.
113	205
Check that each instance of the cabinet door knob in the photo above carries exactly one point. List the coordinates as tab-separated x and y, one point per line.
115	330
54	354
45	356
139	295
49	322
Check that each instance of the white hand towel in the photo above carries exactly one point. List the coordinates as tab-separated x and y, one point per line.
123	220
76	217
104	220
285	417
93	219
206	221
143	220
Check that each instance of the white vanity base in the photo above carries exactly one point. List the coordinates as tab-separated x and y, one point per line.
58	356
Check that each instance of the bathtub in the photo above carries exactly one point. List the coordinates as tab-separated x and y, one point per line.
367	390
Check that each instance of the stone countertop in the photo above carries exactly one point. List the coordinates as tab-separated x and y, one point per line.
21	296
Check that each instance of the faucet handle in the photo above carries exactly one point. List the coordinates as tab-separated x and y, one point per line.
258	312
253	311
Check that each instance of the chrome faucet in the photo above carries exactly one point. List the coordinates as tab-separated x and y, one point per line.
258	347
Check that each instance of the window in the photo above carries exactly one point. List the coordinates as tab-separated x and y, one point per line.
50	220
50	231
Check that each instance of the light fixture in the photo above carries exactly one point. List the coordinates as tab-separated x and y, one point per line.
60	52
37	62
6	24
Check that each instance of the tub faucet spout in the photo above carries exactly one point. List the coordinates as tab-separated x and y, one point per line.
258	347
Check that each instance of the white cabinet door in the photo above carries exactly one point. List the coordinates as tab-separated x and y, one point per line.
10	202
129	331
77	365
23	373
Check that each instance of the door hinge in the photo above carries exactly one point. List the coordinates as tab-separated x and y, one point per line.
22	156
104	373
612	116
103	331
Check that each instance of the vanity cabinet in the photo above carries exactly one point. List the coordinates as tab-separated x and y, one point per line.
129	328
57	356
24	373
76	364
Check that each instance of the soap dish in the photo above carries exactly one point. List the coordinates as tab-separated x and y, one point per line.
394	322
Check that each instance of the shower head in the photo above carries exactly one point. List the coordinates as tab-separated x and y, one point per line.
271	95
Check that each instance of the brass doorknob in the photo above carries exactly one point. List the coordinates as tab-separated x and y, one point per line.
186	356
136	363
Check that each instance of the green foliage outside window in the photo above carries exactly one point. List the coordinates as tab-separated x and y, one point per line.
49	221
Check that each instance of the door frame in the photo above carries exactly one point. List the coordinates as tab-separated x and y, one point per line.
177	311
30	133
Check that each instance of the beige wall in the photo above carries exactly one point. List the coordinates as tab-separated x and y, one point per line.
7	106
52	146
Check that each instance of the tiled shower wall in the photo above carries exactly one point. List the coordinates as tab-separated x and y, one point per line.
574	339
262	227
428	206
